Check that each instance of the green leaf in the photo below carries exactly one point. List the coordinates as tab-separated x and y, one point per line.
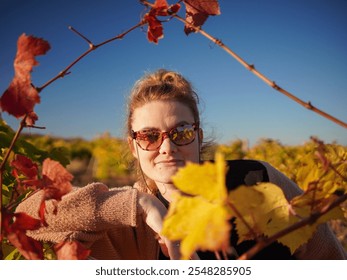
10	252
5	140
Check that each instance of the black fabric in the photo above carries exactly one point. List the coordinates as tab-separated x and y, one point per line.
247	172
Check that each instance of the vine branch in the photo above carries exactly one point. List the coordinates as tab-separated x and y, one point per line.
308	105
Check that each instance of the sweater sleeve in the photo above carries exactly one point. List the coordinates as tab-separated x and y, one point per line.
83	214
323	244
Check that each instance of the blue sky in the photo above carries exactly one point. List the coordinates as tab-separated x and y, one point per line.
300	44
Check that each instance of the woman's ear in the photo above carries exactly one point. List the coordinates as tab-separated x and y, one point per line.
132	147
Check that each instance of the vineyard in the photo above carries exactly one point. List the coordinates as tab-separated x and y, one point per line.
33	162
107	159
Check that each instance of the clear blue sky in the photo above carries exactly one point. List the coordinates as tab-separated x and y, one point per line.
300	44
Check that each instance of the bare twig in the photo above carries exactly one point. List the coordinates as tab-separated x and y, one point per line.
81	35
92	47
308	105
35	126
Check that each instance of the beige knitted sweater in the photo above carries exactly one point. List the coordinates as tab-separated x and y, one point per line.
107	221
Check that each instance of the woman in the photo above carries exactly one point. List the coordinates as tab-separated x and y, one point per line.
164	133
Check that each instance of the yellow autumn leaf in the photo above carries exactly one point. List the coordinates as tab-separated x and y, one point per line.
206	180
315	199
253	207
266	211
301	235
301	209
198	223
199	217
283	219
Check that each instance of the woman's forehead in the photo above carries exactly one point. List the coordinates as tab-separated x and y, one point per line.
161	115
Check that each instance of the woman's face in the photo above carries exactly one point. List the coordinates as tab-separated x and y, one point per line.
161	164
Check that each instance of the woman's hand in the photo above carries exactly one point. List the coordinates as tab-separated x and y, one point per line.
153	212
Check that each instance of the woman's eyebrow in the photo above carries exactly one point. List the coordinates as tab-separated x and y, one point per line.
181	123
156	128
148	128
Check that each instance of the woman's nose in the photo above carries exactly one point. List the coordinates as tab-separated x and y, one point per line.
167	147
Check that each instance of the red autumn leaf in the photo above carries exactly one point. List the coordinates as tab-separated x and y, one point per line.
22	222
173	9
56	182
20	97
31	119
159	7
71	250
42	210
155	27
25	222
16	234
30	248
197	11
25	166
56	179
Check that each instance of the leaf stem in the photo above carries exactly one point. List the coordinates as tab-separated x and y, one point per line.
308	105
239	215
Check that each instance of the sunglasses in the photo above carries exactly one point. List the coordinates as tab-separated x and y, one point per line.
151	139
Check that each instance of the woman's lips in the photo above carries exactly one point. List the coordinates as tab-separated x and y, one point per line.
171	162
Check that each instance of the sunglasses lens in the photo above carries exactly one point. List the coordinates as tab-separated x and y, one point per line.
149	139
183	135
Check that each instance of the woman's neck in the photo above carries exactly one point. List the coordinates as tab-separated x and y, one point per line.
167	190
